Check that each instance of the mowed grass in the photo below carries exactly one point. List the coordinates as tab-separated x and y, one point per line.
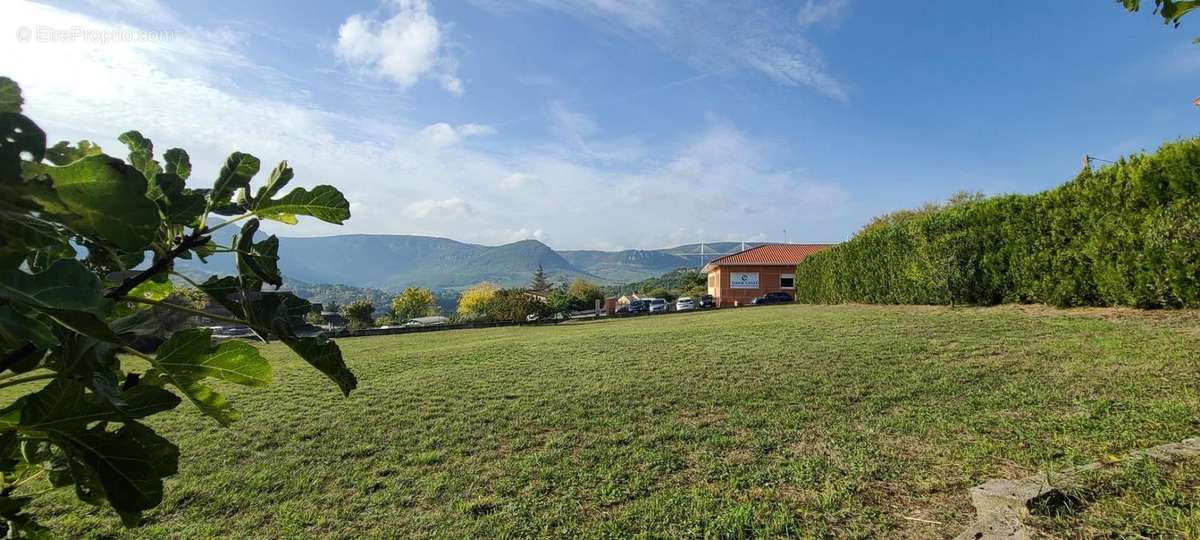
806	421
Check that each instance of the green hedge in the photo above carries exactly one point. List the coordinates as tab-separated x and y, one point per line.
1125	235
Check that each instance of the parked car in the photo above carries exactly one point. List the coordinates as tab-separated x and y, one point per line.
228	332
636	306
436	320
772	298
657	305
685	303
707	301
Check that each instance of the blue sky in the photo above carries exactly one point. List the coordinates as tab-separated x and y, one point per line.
617	124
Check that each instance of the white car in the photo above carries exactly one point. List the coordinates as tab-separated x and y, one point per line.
657	305
436	320
685	303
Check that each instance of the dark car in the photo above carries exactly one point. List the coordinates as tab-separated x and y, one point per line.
636	306
706	301
772	298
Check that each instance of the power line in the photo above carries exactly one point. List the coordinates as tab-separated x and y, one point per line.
1087	161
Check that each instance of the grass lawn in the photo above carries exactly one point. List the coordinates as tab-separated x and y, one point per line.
843	421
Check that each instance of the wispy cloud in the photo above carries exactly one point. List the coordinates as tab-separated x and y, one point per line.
817	12
153	11
443	134
766	38
443	209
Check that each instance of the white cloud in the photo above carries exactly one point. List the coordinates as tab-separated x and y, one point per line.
403	48
570	124
817	12
719	37
443	209
579	131
518	181
178	93
529	234
638	14
147	10
443	134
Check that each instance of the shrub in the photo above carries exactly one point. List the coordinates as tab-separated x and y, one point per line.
360	313
513	305
558	301
471	303
414	302
1127	234
584	294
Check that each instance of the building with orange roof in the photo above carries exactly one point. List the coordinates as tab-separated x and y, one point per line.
736	279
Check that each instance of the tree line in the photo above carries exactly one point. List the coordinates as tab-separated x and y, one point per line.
485	301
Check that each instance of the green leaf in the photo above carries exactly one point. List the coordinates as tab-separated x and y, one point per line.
10	96
234	361
125	470
180	361
85	323
26	232
60	406
177	162
163	453
106	198
325	203
236	174
17	328
10	506
153	290
87	484
225	290
65	154
260	259
179	205
137	324
277	313
209	402
64	406
18	134
86	360
280	176
145	400
141	154
238	362
325	355
184	347
66	285
1173	11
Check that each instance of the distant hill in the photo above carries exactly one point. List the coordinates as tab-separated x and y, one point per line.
624	266
390	261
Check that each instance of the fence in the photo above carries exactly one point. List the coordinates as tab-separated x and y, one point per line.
500	324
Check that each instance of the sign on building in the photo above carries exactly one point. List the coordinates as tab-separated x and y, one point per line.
743	280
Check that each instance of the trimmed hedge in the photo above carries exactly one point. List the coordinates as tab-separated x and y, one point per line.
1125	235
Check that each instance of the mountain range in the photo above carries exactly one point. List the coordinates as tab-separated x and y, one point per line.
392	262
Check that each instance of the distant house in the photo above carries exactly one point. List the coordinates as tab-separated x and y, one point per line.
738	278
624	300
334	319
537	296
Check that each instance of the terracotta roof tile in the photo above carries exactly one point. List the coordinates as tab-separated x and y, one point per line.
780	254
